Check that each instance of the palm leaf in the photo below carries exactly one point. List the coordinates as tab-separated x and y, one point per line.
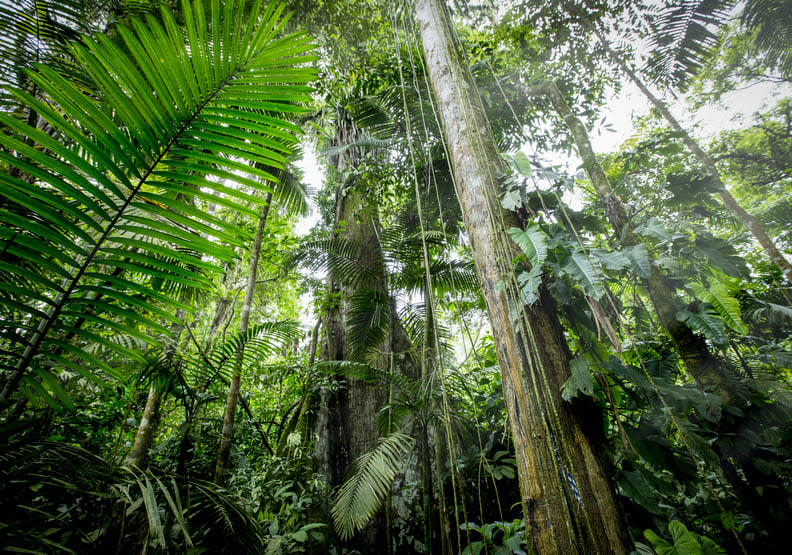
682	39
118	192
256	344
365	488
368	322
339	256
367	373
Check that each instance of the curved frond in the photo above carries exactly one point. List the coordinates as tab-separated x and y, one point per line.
371	374
129	187
365	488
257	343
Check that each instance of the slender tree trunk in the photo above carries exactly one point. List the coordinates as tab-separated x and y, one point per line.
145	433
706	369
150	419
221	468
568	503
756	228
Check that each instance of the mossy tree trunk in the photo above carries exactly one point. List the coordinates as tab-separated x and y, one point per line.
569	505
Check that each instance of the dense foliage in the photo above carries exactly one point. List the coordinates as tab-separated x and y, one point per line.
152	153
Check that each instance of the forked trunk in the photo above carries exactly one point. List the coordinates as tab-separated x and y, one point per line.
568	503
223	452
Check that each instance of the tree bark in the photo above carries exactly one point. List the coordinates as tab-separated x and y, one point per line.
756	228
145	433
347	419
568	503
223	452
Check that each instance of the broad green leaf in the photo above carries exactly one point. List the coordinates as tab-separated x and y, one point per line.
578	267
654	228
635	487
532	241
580	382
522	163
639	257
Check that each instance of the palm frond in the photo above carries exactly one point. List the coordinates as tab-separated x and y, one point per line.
259	341
365	488
35	31
339	256
368	323
181	119
683	38
772	22
405	386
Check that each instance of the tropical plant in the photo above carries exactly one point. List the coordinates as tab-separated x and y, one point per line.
110	210
684	35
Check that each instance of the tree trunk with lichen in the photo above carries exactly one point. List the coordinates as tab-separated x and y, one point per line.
569	505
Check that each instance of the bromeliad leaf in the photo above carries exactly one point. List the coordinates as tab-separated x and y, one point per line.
175	112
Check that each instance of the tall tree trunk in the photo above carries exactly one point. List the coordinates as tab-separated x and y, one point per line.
223	452
150	418
347	422
756	228
701	364
568	503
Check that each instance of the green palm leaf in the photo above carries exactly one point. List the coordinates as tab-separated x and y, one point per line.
127	185
366	487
